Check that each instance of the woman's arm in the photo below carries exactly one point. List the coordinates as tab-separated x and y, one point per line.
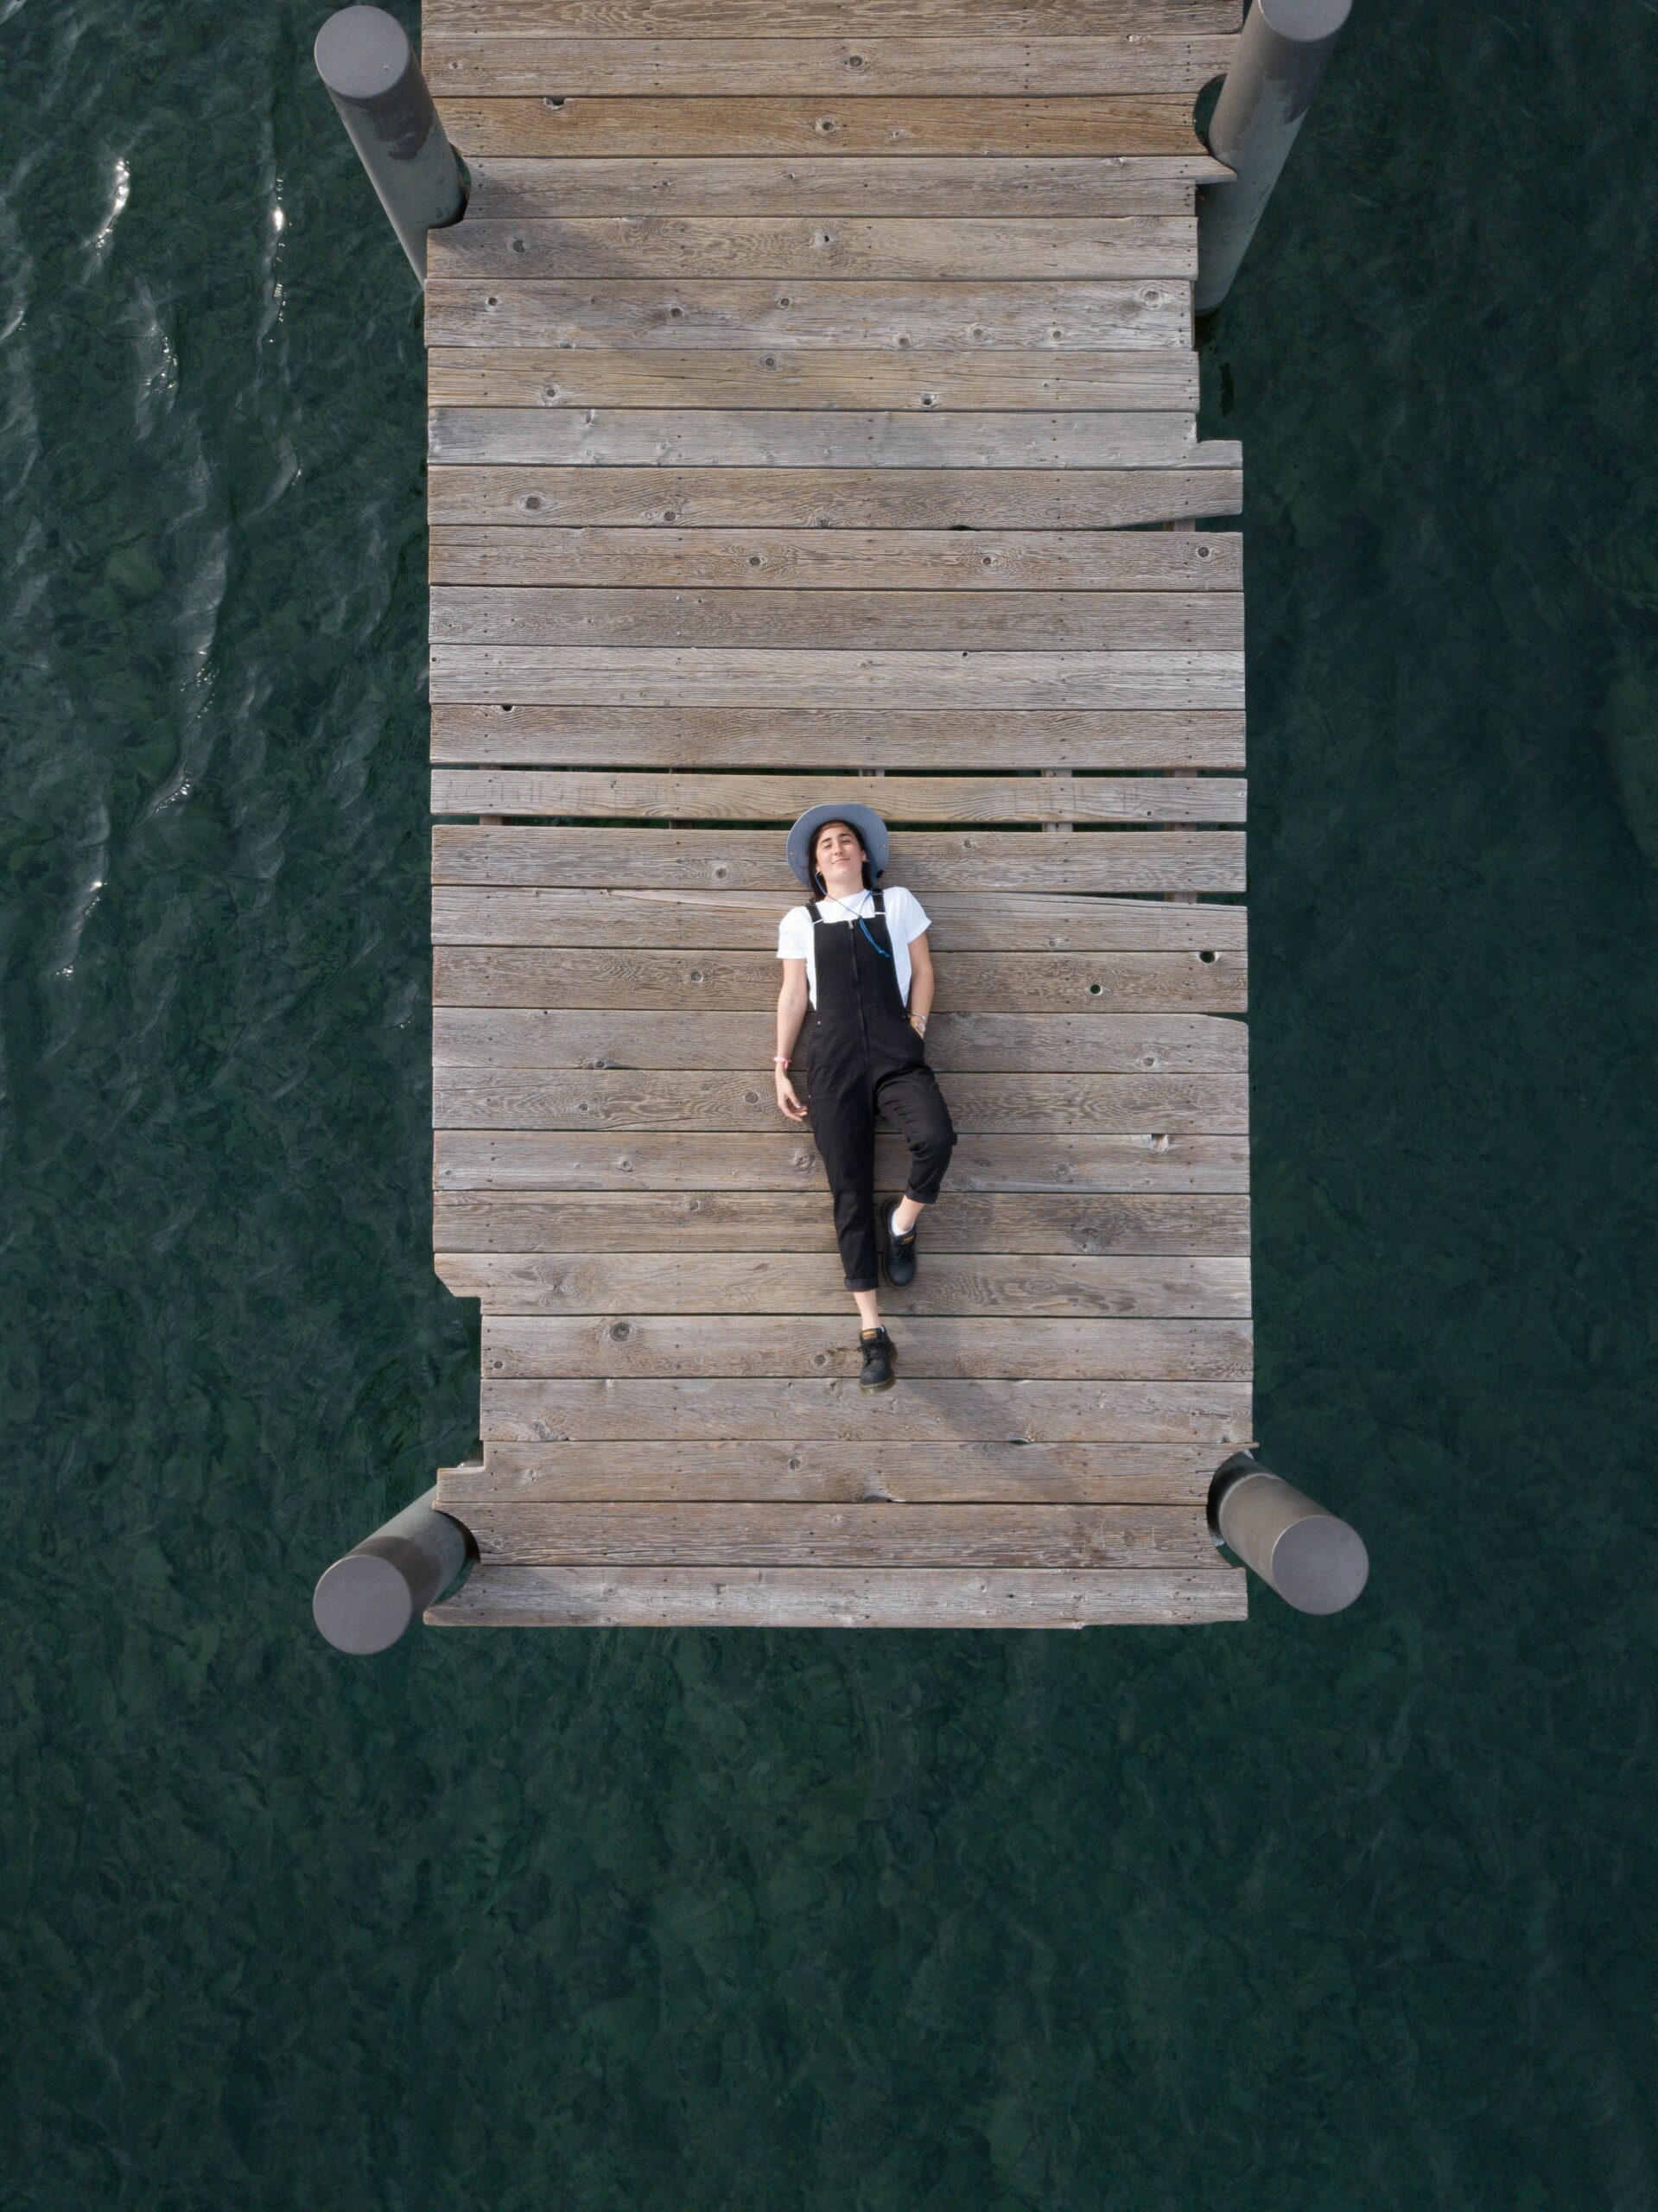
791	1012
921	982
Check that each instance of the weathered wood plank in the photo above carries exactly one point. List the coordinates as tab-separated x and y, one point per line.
830	498
700	921
1007	1105
1112	314
603	794
990	563
759	1597
982	1348
505	189
971	861
533	376
795	19
716	437
842	621
674	982
669	675
682	248
548	1160
885	1536
810	1409
800	1222
1058	1285
1101	1044
1123	123
958	1474
531	67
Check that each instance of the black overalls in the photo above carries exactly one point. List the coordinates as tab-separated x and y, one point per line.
864	1059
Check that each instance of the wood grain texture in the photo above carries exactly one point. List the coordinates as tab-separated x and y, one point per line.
1005	1105
1008	1597
820	1409
700	921
976	1351
866	622
976	861
1110	314
534	376
668	675
534	67
992	563
682	248
1102	1044
959	1474
890	1535
547	1159
799	1221
1058	1285
605	796
795	19
505	189
711	437
781	124
831	498
676	982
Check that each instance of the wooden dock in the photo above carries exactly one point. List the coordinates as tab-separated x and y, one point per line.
812	400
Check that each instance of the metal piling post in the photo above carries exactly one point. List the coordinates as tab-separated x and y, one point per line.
363	57
1315	1562
364	1601
1281	53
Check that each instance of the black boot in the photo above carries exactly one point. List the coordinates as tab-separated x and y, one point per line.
877	1361
901	1253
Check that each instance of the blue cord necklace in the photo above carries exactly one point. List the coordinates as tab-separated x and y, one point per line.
864	926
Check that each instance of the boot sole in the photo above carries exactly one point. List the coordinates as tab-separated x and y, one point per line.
872	1388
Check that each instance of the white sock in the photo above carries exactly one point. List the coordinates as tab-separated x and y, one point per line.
892	1229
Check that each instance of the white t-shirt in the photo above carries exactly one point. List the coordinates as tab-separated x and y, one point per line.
906	921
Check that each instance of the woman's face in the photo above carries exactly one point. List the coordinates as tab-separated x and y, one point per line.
836	854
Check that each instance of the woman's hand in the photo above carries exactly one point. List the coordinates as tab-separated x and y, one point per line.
787	1099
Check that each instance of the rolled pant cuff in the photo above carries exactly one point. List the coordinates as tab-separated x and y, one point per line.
873	1283
921	1197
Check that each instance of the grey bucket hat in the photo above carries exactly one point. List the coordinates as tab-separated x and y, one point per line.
864	819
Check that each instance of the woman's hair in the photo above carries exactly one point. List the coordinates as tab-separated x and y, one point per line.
817	834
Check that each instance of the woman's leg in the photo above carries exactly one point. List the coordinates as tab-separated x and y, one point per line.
843	1129
912	1101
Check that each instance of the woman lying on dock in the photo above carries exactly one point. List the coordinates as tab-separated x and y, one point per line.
860	955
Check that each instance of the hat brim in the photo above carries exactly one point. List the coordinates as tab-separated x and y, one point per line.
864	819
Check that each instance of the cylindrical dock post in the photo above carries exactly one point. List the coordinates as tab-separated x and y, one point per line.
1280	56
1315	1562
364	1601
363	57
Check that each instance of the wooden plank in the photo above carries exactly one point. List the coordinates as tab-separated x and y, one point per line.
681	248
865	621
531	67
1007	1105
957	1474
831	498
782	1159
759	1597
821	1410
1191	1044
981	1349
1112	315
795	19
700	921
603	794
677	982
887	1536
505	189
798	1222
928	861
1058	1285
714	437
670	676
1125	122
989	562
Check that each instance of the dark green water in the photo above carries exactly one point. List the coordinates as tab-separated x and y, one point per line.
1306	1915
